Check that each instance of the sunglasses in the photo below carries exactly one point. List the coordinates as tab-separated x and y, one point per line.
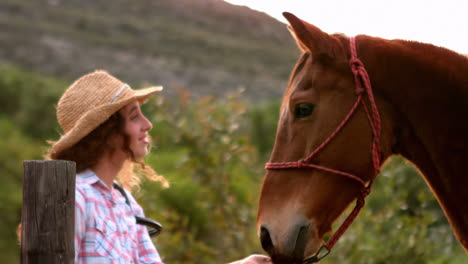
154	227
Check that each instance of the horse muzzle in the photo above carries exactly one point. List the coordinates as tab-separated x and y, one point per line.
287	245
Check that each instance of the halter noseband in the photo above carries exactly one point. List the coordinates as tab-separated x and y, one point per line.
363	87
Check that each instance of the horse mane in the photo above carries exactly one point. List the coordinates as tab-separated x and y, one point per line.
438	59
448	66
444	66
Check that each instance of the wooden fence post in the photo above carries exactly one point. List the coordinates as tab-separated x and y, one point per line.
48	213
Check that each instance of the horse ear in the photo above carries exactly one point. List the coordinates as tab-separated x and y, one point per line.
310	38
299	43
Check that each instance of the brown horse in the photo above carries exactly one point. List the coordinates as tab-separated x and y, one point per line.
418	91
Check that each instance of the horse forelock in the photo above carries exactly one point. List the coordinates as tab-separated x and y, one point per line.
297	69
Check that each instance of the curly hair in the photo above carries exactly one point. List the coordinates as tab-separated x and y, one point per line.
88	150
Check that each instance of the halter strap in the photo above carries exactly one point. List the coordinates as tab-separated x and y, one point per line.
363	88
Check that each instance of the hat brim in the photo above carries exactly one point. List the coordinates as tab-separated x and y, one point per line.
95	117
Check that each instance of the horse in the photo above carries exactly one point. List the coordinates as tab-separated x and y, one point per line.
350	104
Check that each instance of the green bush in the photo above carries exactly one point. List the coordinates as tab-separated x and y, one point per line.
401	223
14	148
29	99
209	209
262	124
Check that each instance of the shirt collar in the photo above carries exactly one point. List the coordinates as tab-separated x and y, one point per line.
90	178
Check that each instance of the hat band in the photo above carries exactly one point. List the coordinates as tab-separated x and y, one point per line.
116	95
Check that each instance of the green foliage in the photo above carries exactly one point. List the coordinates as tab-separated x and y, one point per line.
28	99
401	223
214	181
263	120
14	148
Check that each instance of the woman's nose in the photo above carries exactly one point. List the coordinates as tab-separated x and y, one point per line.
147	125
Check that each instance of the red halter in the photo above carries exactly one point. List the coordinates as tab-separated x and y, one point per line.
363	87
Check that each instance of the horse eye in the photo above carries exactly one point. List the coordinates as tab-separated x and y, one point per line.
303	110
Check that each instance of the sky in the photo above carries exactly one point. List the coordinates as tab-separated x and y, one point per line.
440	22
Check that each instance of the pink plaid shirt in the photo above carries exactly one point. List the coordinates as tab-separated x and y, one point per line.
105	228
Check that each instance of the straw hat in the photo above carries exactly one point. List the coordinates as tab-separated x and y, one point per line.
89	102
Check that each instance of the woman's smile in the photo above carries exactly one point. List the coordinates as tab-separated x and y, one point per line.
144	139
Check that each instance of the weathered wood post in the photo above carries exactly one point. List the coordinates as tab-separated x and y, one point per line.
48	214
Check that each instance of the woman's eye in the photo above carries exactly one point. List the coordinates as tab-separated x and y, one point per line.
303	110
134	117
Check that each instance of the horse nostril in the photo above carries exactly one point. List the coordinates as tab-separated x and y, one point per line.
265	240
301	240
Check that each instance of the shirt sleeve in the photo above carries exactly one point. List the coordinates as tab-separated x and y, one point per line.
80	224
147	251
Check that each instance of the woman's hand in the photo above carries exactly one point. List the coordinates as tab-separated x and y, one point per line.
254	259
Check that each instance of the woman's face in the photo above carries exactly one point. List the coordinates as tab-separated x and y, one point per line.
136	127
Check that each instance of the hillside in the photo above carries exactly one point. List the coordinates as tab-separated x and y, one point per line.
207	46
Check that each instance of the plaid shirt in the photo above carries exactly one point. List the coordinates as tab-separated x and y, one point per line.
105	228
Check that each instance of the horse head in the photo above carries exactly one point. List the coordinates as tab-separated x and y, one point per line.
298	206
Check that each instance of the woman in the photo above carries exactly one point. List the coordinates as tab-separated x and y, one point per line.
106	133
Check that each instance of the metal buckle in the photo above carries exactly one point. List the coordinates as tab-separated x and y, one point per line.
318	256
